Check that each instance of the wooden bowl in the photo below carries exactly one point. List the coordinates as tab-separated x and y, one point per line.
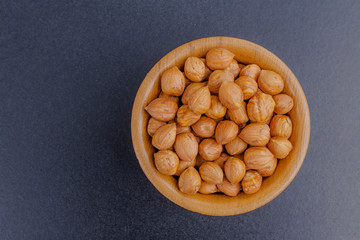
218	204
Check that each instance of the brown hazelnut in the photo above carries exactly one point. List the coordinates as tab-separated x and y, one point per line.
186	117
256	134
173	82
260	107
247	85
209	149
217	77
211	172
205	127
174	98
283	103
241	66
184	165
189	181
251	70
239	116
207	188
199	161
194	69
226	131
190	90
230	95
186	146
162	109
166	162
207	70
270	82
200	100
228	188
222	159
236	146
219	58
164	137
217	110
281	126
198	139
251	182
187	81
269	169
181	129
258	157
280	147
234	170
234	68
154	125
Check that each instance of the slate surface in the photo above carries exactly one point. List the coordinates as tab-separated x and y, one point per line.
69	72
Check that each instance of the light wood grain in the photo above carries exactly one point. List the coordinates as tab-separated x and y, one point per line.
216	204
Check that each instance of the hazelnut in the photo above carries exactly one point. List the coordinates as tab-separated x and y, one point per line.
166	162
199	161
184	165
236	146
164	137
162	109
230	95
281	126
268	119
247	85
189	181
194	69
251	70
154	125
207	188
283	103
234	68
217	110
181	129
205	127
217	77
280	147
241	66
173	82
174	98
269	169
207	70
219	58
198	139
256	134
270	82
260	107
221	160
186	146
187	81
211	172
200	100
186	117
258	157
239	116
226	131
234	170
190	90
209	149
251	182
228	188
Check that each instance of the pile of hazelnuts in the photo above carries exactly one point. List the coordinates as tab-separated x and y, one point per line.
220	125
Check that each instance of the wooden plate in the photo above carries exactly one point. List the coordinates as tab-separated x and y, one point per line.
217	204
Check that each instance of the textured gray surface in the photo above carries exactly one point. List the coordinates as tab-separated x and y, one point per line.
69	72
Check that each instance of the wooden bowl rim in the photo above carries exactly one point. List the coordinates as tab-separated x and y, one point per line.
140	151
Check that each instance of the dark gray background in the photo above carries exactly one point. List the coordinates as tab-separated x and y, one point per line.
69	72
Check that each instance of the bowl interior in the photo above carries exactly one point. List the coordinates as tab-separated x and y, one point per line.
216	204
